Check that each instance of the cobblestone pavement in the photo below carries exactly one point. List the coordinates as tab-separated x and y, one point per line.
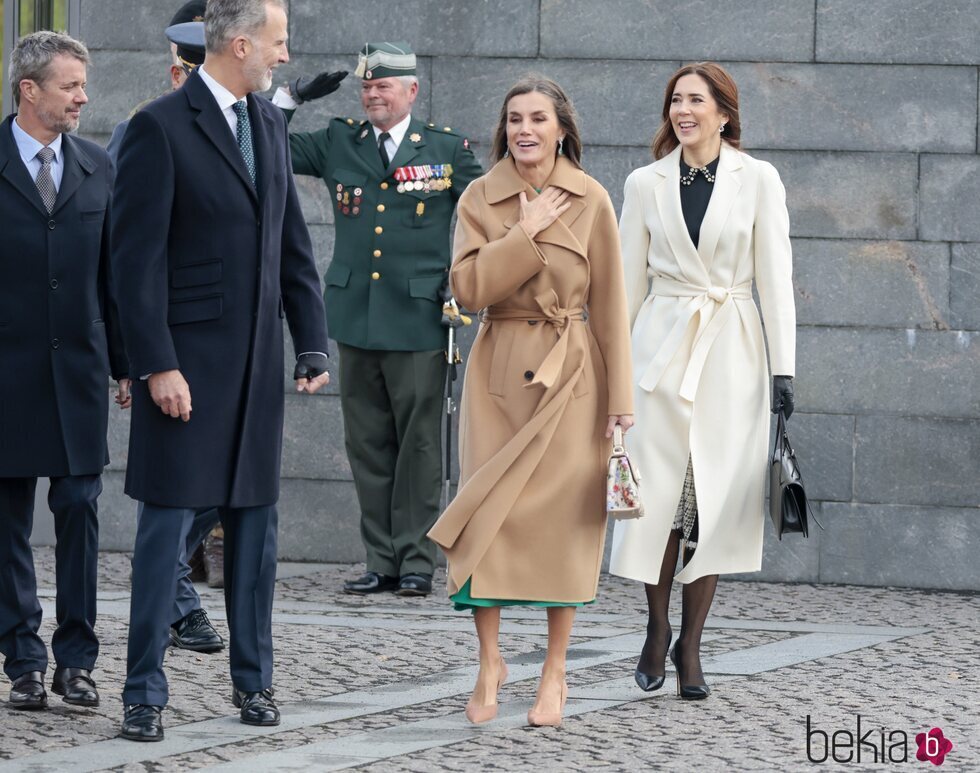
380	684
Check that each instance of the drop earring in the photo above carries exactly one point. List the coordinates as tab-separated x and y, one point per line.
721	129
561	147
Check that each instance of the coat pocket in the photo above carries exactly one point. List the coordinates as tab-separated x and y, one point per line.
95	215
426	286
348	178
337	275
500	362
420	213
197	274
194	310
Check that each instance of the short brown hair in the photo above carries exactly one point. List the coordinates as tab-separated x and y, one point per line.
723	91
564	109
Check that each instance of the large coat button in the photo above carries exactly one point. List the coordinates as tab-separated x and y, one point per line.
528	374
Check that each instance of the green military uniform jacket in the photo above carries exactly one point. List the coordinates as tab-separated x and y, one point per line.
392	250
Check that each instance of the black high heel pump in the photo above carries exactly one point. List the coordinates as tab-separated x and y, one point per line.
651	682
690	692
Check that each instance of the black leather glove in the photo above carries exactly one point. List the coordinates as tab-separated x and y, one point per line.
782	395
310	365
304	89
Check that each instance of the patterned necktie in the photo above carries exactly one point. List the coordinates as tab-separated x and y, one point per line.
243	133
382	139
44	181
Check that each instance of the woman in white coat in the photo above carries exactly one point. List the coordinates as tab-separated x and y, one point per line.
698	226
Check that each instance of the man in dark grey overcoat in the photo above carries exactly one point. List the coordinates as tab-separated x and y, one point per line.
59	341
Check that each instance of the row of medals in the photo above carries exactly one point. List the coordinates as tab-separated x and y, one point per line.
434	184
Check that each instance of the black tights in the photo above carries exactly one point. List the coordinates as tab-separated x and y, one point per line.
696	601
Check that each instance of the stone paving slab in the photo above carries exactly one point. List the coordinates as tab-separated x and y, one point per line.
380	684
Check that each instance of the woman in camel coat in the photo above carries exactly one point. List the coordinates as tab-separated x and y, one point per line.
698	226
548	378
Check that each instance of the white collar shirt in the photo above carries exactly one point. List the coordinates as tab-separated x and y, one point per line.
28	147
397	132
224	98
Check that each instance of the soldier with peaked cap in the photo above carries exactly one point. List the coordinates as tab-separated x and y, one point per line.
190	629
394	181
186	35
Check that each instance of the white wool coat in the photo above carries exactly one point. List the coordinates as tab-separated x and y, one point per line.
701	380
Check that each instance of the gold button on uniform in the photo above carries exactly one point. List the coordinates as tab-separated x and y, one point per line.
378	229
384	186
377	253
376	275
381	207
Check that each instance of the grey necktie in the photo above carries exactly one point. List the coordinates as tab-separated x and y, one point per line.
44	181
243	133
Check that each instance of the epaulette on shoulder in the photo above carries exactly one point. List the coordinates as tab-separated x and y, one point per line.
436	129
352	123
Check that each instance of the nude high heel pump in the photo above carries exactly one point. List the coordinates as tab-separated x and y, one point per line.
477	715
547	718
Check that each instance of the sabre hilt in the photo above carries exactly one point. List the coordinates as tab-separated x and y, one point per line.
452	317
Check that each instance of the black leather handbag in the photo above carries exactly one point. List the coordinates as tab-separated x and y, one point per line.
788	506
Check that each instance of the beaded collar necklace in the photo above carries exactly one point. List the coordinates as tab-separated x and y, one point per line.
694	171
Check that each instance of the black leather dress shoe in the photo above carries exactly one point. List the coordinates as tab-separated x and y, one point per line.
194	632
76	685
142	723
257	708
415	585
27	692
371	582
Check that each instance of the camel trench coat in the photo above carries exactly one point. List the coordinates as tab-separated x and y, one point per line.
550	362
700	373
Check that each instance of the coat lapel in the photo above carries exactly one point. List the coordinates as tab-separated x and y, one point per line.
367	149
13	170
504	182
667	192
727	185
215	127
408	150
78	164
263	134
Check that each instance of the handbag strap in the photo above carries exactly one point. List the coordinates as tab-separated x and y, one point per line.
618	447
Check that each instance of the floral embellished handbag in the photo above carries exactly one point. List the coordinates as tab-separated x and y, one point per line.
622	483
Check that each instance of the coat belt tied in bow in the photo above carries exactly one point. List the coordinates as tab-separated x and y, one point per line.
552	312
700	297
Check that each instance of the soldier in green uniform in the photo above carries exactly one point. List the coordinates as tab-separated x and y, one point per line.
394	182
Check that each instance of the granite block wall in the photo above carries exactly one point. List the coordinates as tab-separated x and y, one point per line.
868	109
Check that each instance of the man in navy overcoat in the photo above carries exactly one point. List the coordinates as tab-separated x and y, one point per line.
58	343
211	253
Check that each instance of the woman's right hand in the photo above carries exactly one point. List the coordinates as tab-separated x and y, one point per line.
544	210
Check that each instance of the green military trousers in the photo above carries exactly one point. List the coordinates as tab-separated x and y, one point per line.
392	404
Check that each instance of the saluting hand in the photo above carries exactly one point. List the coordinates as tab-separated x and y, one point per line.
544	210
170	391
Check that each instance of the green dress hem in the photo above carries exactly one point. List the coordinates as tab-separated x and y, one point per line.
462	601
